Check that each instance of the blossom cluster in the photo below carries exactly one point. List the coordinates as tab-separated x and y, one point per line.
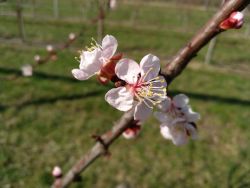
139	86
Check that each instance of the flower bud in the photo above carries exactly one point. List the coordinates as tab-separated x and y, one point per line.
234	21
133	131
50	48
27	70
112	4
37	58
72	36
57	172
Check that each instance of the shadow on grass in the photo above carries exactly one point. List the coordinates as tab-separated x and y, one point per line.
46	100
37	74
214	98
50	100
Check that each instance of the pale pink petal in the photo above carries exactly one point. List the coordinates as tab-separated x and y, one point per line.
237	15
120	98
177	122
90	61
165	105
180	138
180	100
176	133
150	66
80	74
109	46
179	132
191	115
162	117
142	111
192	131
127	70
165	132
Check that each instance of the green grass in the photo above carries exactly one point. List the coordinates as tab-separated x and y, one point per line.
48	119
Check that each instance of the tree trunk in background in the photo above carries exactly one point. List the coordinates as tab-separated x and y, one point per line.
55	8
34	8
206	4
20	20
210	51
100	21
247	25
212	44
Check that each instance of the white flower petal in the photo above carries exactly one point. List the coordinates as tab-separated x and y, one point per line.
180	138
150	66
120	98
127	70
90	61
191	116
237	15
142	111
162	117
165	104
178	131
192	131
180	100
109	46
80	74
165	132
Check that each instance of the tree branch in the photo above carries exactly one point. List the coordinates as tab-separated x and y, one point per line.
100	148
210	30
172	70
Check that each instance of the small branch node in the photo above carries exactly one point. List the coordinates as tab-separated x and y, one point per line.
102	142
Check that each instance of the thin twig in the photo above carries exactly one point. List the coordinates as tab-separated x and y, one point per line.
172	70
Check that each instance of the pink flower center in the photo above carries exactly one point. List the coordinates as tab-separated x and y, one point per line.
151	92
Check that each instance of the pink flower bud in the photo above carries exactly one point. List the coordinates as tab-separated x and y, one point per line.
234	21
72	36
49	48
112	4
57	172
27	70
37	58
132	132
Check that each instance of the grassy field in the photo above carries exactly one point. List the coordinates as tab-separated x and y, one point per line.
48	119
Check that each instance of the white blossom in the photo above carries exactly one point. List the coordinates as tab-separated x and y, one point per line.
143	87
177	119
95	58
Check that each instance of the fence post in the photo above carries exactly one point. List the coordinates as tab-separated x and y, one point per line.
20	23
